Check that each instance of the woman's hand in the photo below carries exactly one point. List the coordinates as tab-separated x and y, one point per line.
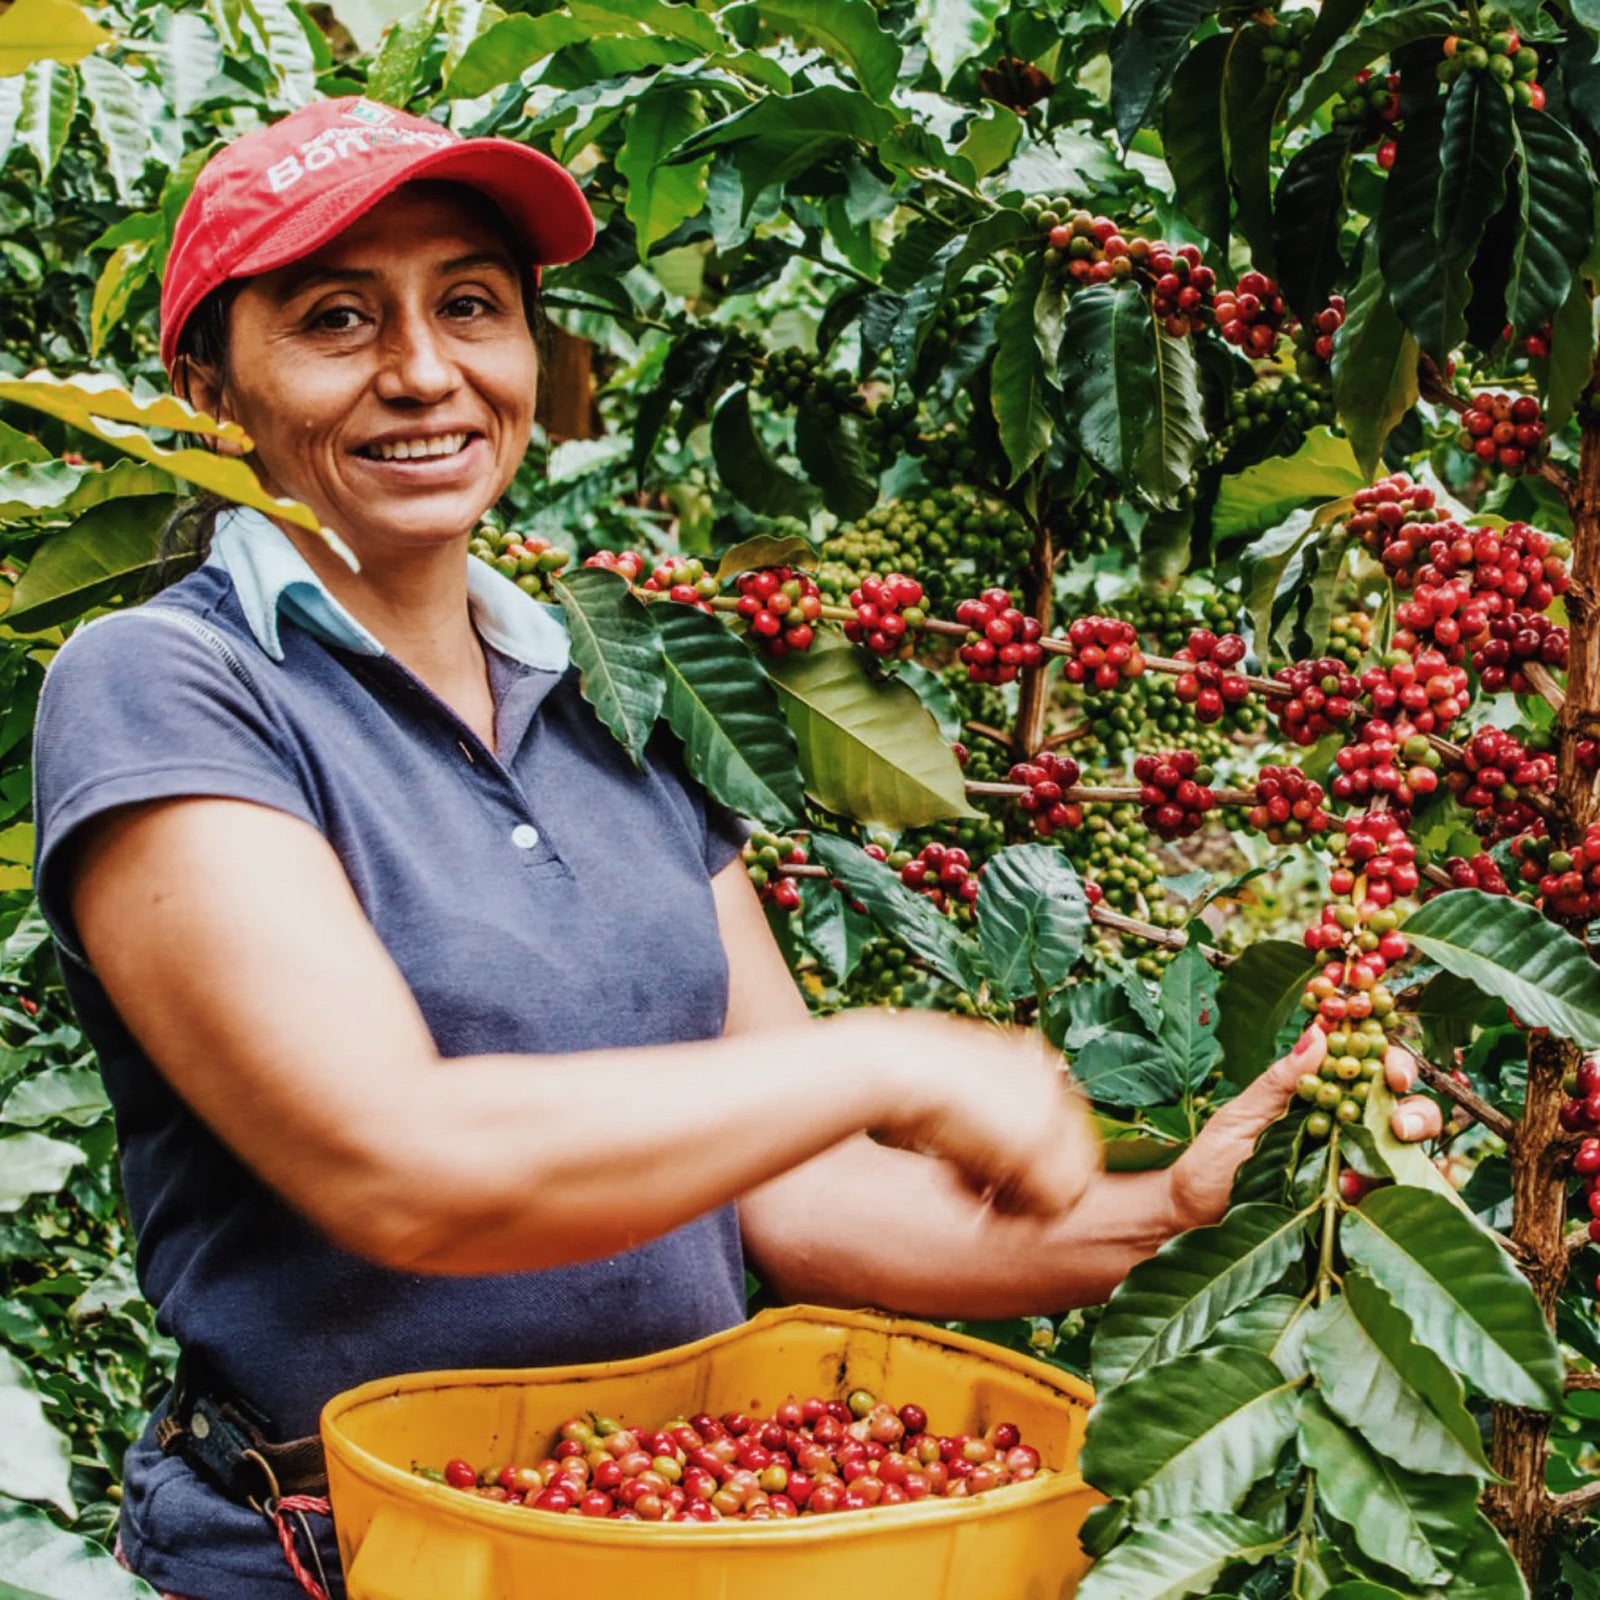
993	1102
1202	1178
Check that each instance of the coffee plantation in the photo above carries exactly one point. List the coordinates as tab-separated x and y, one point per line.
1112	494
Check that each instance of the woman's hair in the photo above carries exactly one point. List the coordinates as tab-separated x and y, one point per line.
187	533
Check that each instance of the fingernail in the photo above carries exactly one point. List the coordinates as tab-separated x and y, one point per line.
1303	1043
1407	1124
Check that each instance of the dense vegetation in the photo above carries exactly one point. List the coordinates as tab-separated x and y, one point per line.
1113	500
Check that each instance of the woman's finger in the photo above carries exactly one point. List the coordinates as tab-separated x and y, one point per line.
1416	1118
1399	1069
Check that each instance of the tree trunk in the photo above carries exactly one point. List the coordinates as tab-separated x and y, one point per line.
1039	586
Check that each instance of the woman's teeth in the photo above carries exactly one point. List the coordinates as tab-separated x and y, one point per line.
444	444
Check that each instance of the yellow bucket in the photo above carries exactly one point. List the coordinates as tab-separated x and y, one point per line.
404	1538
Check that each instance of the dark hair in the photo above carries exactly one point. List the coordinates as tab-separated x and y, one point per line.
187	533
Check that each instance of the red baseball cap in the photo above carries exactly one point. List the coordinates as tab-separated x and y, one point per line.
279	193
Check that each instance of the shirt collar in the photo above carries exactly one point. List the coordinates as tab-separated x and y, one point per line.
269	575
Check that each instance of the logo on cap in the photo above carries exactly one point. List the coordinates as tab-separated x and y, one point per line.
371	111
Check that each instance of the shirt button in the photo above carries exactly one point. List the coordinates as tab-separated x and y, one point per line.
524	836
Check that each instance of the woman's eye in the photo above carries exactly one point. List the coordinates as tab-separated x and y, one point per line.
321	320
475	304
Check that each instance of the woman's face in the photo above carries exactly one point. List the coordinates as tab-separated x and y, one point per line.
388	380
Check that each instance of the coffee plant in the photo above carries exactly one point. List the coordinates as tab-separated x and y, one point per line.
1112	494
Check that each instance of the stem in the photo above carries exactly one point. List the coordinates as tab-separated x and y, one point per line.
1331	1207
1441	1082
1038	588
1577	1503
1544	683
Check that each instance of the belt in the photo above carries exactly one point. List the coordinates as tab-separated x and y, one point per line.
225	1439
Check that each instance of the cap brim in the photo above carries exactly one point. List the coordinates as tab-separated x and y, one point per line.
539	197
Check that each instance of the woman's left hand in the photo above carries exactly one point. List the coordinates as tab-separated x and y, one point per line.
1202	1178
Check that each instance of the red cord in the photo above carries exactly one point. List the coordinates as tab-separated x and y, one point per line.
309	1505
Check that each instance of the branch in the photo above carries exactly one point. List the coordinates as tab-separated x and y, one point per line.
1576	1504
1589	1381
1497	1122
984	731
1090	794
1544	683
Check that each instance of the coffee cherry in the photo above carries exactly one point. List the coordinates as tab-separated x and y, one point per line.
1003	640
1324	698
1104	653
1251	316
1288	806
628	562
1480	872
1214	684
684	579
1368	104
529	561
764	854
1048	777
1497	775
942	873
1514	639
1174	793
1503	430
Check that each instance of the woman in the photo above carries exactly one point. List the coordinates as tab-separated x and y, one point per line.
438	1035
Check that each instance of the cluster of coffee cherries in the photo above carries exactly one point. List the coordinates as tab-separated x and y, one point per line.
684	579
809	1458
1048	778
1250	316
529	561
628	562
1376	847
782	607
887	609
1314	342
1580	1113
1496	776
1350	637
792	375
1337	1092
764	854
1514	640
1568	880
1281	53
1380	763
1104	653
1368	105
1481	871
1504	56
1382	509
1503	430
1093	249
1323	698
1288	806
1003	640
943	873
1174	792
1179	288
1213	685
1586	1163
1423	689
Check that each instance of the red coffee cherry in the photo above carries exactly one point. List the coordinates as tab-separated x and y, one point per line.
781	607
1048	777
1003	641
1251	316
1104	653
1214	684
888	613
1324	698
1173	792
1288	806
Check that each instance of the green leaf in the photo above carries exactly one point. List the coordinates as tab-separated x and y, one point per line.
1485	1569
128	268
1170	1303
31	1164
1127	1069
956	30
661	196
1403	1520
1174	1559
284	47
15	446
868	747
721	706
747	470
1032	919
1374	365
1250	102
1132	390
1464	1298
1364	44
1376	1378
1474	152
1558	186
35	1456
55	489
1428	289
193	59
73	1095
828	445
1194	1434
1189	1016
1261	1325
1307	209
1323	468
1191	135
1509	950
616	647
111	550
119	122
1406	1163
398	67
41	1562
503	52
1572	355
902	913
1144	54
49	101
1259	993
1017	388
765	550
849	30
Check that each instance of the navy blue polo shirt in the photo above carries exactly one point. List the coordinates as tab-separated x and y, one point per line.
547	897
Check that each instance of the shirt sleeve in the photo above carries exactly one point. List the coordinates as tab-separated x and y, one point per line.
726	832
133	709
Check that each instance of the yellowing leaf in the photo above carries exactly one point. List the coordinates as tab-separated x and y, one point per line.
46	30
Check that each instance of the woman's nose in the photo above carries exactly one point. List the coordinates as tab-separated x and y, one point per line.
414	363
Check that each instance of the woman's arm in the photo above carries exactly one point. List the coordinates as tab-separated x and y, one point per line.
229	939
862	1225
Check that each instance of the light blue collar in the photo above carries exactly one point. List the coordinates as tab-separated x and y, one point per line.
270	575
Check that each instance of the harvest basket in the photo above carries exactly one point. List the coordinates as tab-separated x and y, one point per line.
404	1538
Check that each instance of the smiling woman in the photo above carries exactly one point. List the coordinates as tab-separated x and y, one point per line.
439	1034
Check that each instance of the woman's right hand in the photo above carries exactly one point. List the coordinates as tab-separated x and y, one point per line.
993	1102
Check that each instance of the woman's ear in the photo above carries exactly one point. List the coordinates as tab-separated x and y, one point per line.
201	386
